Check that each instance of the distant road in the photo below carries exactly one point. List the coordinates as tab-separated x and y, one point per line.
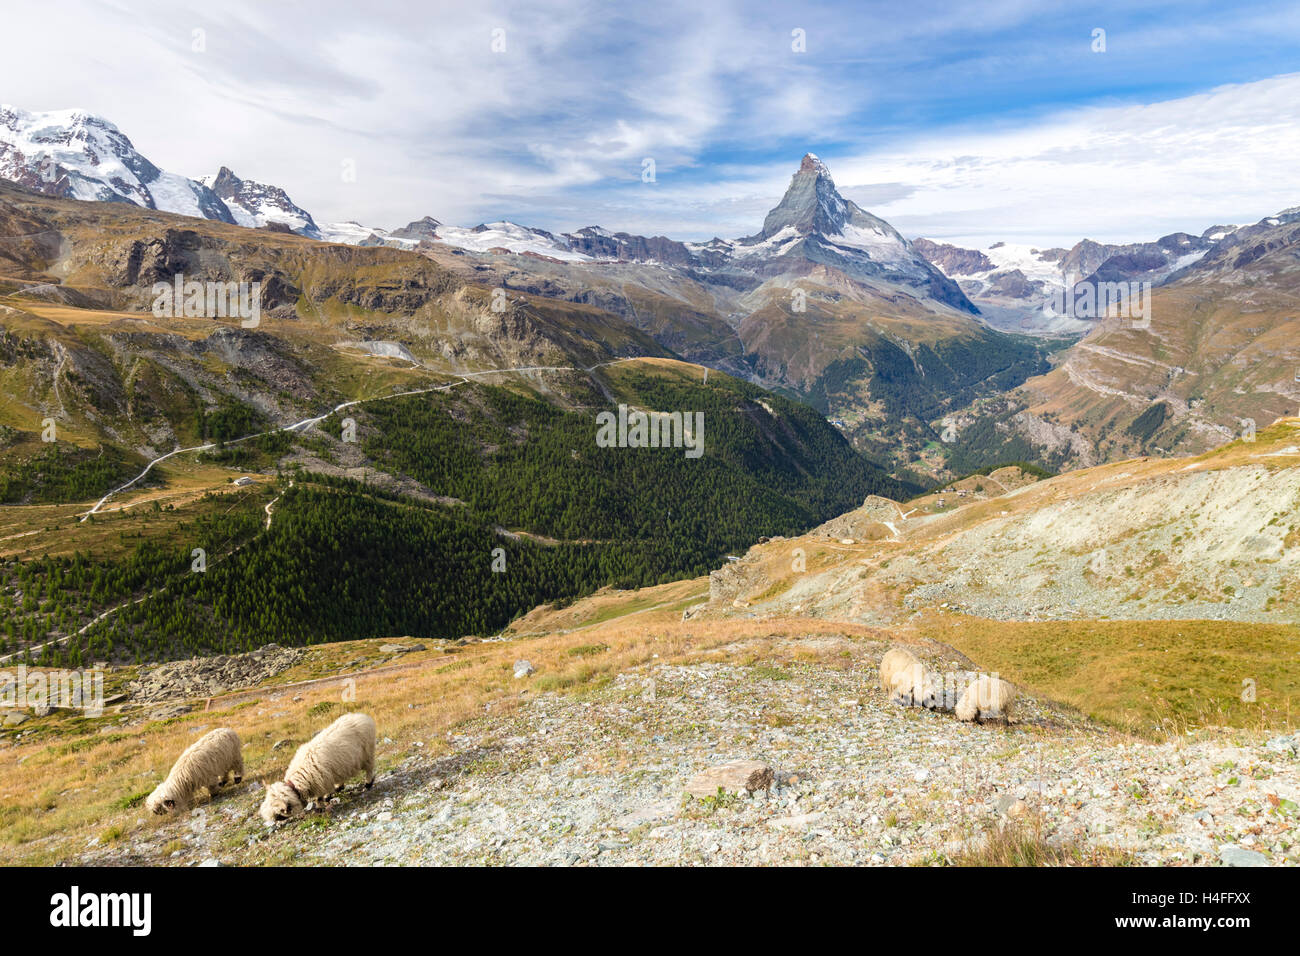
308	422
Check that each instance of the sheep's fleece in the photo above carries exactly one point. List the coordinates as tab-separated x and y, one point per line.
905	679
322	765
987	698
205	763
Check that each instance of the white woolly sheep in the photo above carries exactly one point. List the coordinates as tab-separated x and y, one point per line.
205	763
894	661
986	699
906	680
322	765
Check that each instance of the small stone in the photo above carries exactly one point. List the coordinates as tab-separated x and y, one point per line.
211	861
796	822
1009	806
647	815
1237	856
524	669
1283	744
732	777
281	744
384	817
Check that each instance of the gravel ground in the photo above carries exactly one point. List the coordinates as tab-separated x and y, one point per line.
598	779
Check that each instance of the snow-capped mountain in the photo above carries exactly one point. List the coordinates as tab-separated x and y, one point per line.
814	224
425	228
1010	278
352	233
77	155
511	237
486	237
257	204
598	243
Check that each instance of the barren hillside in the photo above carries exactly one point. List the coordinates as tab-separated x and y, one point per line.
1213	537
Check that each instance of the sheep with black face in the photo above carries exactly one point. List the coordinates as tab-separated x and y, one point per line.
322	765
207	762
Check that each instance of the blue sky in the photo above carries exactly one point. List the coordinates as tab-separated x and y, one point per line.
967	122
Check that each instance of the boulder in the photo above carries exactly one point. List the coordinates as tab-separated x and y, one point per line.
735	776
1010	806
1240	856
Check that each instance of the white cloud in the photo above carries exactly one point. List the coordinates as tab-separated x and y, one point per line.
553	131
1117	173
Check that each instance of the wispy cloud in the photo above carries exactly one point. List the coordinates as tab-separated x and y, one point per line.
979	122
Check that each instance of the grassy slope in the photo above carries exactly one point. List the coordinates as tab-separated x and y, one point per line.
103	770
1148	677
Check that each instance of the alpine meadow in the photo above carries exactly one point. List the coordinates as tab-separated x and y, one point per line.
730	435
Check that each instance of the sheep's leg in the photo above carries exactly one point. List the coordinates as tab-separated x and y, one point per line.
239	769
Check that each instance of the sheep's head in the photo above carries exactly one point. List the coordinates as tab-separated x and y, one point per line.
931	693
281	803
160	803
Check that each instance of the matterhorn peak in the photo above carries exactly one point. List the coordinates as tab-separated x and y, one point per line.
814	223
812	164
811	203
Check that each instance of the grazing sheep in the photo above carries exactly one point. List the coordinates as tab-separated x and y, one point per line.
205	763
986	699
322	765
906	680
894	661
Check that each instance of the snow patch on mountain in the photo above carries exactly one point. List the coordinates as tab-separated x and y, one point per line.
77	155
349	232
255	204
1028	260
510	236
882	245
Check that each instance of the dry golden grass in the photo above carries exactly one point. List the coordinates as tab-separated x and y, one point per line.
104	769
32	531
1151	678
608	604
1021	843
